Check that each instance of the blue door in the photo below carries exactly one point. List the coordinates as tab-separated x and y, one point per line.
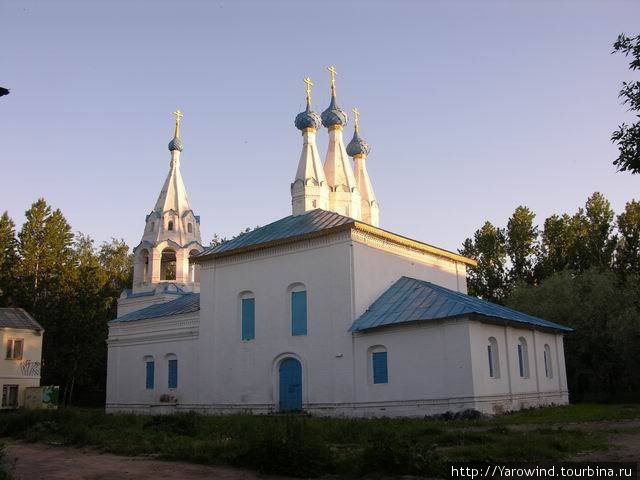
290	385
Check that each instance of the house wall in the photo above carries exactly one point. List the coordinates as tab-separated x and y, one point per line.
26	371
128	346
510	391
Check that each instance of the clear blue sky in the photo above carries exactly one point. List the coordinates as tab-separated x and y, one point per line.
471	108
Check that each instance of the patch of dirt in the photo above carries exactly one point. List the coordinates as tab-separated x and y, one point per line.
45	462
623	447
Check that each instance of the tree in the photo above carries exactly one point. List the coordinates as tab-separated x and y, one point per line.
627	255
596	242
601	353
556	246
522	236
627	137
489	279
8	258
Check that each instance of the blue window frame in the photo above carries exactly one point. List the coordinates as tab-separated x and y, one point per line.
380	373
520	360
248	318
299	313
173	373
150	373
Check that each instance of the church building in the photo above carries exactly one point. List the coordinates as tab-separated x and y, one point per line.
321	311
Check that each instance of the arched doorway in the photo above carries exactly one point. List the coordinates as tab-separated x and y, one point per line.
168	265
290	374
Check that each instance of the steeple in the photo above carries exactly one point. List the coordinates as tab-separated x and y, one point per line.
172	231
359	149
309	188
344	197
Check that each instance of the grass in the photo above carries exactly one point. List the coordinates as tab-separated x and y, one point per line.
312	446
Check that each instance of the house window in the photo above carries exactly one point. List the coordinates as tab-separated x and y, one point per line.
494	358
379	364
299	313
548	369
189	228
150	373
248	318
523	358
14	348
173	373
170	227
10	395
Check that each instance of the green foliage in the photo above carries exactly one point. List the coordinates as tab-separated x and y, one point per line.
627	137
306	446
489	279
601	354
521	245
70	288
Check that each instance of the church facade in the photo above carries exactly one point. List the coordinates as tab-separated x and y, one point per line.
321	311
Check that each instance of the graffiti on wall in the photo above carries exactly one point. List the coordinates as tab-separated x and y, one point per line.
30	368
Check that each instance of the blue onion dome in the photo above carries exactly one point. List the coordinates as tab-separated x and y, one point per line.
357	146
307	119
333	115
175	144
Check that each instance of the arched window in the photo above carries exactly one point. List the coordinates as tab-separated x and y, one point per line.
172	369
298	310
190	227
548	367
523	358
248	316
378	364
313	203
170	225
152	226
149	366
168	265
144	264
494	358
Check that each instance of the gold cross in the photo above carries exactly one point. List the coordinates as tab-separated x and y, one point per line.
307	80
178	115
333	73
356	115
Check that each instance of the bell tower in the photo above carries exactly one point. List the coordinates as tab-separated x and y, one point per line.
171	234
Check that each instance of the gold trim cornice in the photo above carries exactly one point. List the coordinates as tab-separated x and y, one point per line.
355	225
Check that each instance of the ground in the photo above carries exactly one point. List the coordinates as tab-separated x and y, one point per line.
79	444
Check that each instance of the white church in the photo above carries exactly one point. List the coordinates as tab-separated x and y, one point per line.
321	311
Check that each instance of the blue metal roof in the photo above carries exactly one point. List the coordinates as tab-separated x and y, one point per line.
187	303
287	227
410	300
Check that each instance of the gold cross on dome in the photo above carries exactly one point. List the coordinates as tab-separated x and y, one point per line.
307	80
356	116
178	115
333	73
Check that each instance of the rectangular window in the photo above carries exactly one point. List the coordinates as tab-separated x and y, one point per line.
14	349
10	395
546	365
248	318
379	361
150	374
491	373
299	313
520	361
173	373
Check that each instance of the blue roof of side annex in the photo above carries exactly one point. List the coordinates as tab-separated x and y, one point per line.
412	300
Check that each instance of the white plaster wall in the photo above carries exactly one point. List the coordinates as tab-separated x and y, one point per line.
129	344
376	269
238	373
11	372
429	369
511	391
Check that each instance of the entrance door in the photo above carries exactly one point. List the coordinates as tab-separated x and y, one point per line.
290	385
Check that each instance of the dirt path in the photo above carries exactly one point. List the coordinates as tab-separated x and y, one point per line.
43	462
